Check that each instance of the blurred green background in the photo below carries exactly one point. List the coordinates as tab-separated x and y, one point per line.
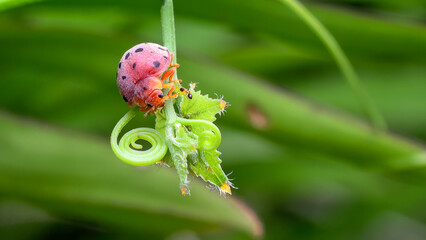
305	162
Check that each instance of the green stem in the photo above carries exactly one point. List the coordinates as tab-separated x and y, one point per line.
342	61
169	40
178	155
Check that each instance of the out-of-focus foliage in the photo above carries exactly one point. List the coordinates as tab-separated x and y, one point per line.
294	136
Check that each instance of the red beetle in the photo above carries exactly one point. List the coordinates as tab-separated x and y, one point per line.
138	76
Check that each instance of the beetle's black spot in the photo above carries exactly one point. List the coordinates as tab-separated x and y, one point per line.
149	105
134	65
160	95
156	64
119	65
144	88
139	50
189	96
125	99
123	77
127	55
162	48
182	89
165	57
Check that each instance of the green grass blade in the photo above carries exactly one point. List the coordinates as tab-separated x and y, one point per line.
342	61
7	4
294	122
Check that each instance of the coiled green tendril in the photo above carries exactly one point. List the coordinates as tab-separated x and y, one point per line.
129	151
208	139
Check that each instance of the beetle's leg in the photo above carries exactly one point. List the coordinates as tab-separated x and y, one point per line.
166	98
172	88
169	74
171	62
151	110
147	112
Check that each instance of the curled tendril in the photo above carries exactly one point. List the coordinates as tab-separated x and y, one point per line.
126	151
209	139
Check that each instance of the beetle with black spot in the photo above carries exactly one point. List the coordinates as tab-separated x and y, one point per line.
141	74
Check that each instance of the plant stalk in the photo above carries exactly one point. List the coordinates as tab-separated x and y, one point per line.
169	41
342	61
